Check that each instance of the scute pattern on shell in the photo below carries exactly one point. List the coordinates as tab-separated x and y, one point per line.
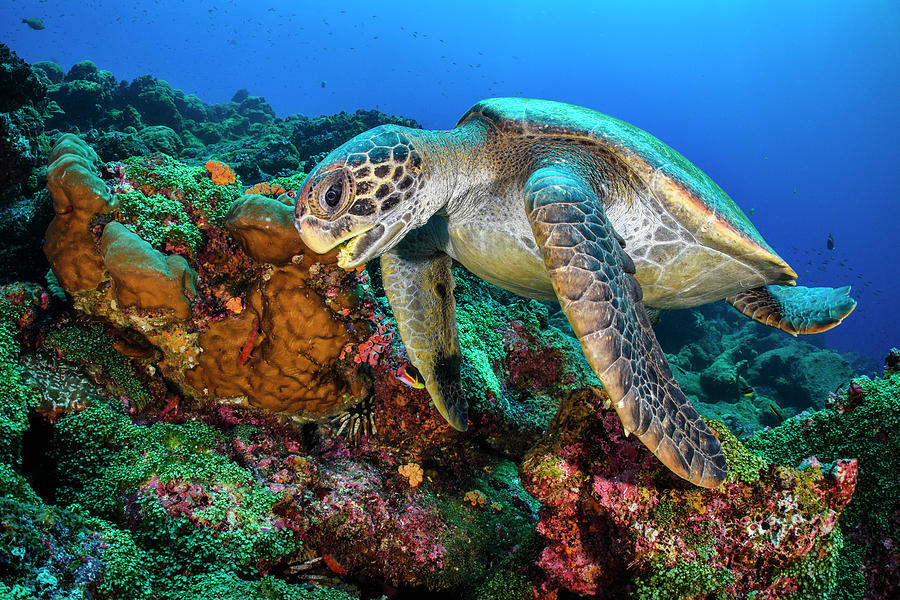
646	153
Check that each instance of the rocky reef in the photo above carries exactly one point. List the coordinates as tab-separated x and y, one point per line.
24	210
122	119
194	405
862	421
748	375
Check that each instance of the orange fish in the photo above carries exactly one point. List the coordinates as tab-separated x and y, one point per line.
409	375
333	564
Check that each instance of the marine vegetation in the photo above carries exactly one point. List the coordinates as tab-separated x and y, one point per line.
863	421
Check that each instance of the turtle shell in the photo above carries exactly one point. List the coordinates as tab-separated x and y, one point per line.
694	199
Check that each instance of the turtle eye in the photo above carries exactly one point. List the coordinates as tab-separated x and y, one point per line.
332	196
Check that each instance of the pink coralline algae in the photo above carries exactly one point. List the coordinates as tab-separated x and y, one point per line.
616	521
357	506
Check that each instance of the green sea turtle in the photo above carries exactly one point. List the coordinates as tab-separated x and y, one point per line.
556	202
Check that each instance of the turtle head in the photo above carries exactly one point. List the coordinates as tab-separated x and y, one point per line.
361	196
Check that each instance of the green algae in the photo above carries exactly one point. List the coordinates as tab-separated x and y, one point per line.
55	551
117	470
225	585
90	345
694	579
189	185
485	535
16	398
869	433
849	579
505	585
480	339
815	574
515	363
159	220
743	465
291	182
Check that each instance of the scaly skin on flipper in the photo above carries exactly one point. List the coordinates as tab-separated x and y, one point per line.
593	280
795	310
419	285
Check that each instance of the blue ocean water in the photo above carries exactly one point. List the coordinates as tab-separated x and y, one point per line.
791	107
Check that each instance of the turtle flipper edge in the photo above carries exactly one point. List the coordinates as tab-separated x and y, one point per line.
593	279
795	309
419	285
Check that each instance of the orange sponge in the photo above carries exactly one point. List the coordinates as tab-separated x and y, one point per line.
220	172
265	189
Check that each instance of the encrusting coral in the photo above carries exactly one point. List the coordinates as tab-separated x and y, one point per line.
862	421
613	519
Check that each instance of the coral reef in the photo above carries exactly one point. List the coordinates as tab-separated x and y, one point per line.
216	280
204	408
614	520
862	421
748	375
137	118
20	305
215	497
148	115
24	213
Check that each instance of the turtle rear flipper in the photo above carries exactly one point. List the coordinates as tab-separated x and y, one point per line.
593	279
795	309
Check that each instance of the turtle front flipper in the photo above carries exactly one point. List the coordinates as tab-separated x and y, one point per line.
795	309
593	279
419	285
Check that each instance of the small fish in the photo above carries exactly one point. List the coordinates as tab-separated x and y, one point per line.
333	564
323	84
247	348
751	211
747	391
776	413
34	23
408	375
829	243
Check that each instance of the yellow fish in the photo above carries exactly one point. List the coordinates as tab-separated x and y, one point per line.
776	413
409	375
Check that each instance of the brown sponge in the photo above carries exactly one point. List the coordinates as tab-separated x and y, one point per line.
278	344
78	194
